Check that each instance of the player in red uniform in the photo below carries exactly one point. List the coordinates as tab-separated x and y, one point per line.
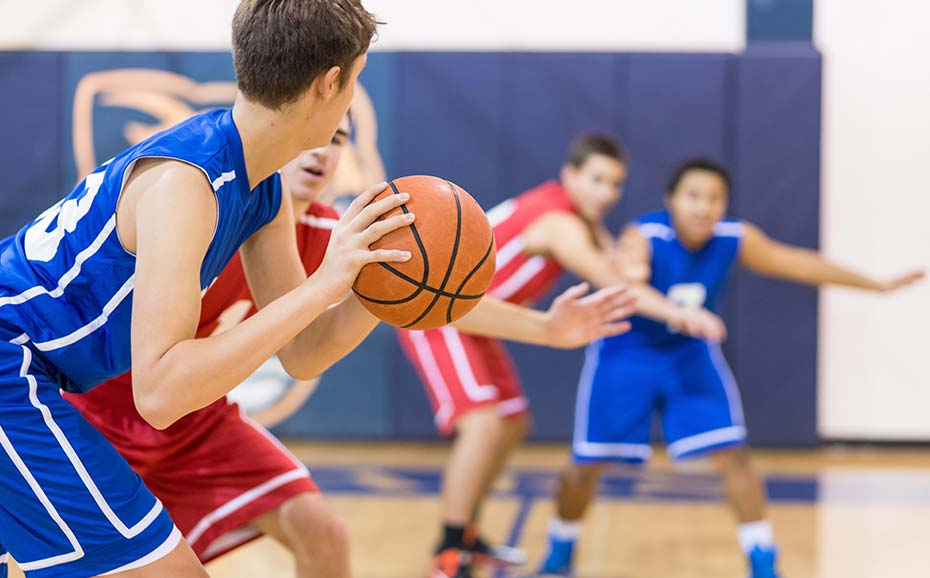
470	379
225	479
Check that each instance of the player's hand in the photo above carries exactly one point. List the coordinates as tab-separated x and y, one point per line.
901	281
349	245
698	323
575	319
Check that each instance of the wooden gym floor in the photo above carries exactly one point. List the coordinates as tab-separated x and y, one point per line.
838	513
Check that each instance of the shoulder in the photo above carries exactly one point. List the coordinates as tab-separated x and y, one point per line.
732	228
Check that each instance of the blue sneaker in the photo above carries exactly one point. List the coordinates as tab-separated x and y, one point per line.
558	562
762	563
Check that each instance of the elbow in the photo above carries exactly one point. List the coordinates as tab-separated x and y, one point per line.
154	408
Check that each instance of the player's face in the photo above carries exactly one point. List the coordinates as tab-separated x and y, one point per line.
309	174
697	204
322	124
595	186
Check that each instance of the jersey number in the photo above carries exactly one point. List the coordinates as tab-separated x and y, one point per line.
43	238
690	295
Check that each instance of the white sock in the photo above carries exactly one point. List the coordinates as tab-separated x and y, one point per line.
756	534
563	530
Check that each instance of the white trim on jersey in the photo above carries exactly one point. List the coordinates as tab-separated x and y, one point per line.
325	223
708	439
657	231
221	180
77	552
506	253
519	278
166	547
79	468
501	212
462	366
70	275
434	378
729	384
580	444
729	229
97	323
513	406
230	541
242	500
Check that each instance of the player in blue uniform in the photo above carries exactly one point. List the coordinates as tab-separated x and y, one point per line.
678	261
112	276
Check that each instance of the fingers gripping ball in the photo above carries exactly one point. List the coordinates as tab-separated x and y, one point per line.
453	257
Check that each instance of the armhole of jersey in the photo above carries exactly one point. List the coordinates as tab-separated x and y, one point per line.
125	177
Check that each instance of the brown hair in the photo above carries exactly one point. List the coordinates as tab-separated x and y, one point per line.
697	164
281	46
586	145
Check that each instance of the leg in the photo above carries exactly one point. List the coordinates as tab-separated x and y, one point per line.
704	416
473	464
318	538
743	486
612	423
576	490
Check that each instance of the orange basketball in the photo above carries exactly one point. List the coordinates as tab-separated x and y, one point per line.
453	257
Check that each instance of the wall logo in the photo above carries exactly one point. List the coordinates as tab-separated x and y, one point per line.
114	109
117	108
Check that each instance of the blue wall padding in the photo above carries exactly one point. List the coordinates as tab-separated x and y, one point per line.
497	124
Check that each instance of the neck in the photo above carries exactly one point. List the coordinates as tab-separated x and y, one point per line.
267	142
300	207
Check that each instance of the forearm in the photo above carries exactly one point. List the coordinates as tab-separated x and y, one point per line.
196	372
499	319
809	267
653	304
332	336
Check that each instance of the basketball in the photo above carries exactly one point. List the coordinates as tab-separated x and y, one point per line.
452	263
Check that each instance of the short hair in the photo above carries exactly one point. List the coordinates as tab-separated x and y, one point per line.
281	46
585	146
697	164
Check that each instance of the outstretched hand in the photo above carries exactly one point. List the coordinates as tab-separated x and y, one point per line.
902	281
699	323
576	319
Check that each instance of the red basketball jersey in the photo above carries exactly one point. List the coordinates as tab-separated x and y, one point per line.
228	301
522	278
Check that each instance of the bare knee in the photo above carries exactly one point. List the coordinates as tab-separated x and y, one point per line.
732	460
314	531
584	474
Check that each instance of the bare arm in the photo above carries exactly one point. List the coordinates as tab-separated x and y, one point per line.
766	256
174	373
568	240
572	321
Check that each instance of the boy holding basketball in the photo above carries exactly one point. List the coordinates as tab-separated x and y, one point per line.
129	253
224	479
678	260
470	379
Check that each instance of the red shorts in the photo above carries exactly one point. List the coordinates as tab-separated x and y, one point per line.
463	372
214	470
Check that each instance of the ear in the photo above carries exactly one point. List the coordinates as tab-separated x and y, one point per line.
328	83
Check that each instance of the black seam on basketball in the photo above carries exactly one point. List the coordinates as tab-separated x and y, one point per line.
433	290
455	250
421	286
467	277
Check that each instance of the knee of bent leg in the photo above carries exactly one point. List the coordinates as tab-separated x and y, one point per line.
315	530
732	458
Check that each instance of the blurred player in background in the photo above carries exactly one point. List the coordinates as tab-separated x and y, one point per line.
470	379
678	261
225	479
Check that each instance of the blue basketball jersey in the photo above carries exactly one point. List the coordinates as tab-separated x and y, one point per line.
689	278
65	280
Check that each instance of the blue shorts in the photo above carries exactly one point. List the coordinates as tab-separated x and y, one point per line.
71	505
689	384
